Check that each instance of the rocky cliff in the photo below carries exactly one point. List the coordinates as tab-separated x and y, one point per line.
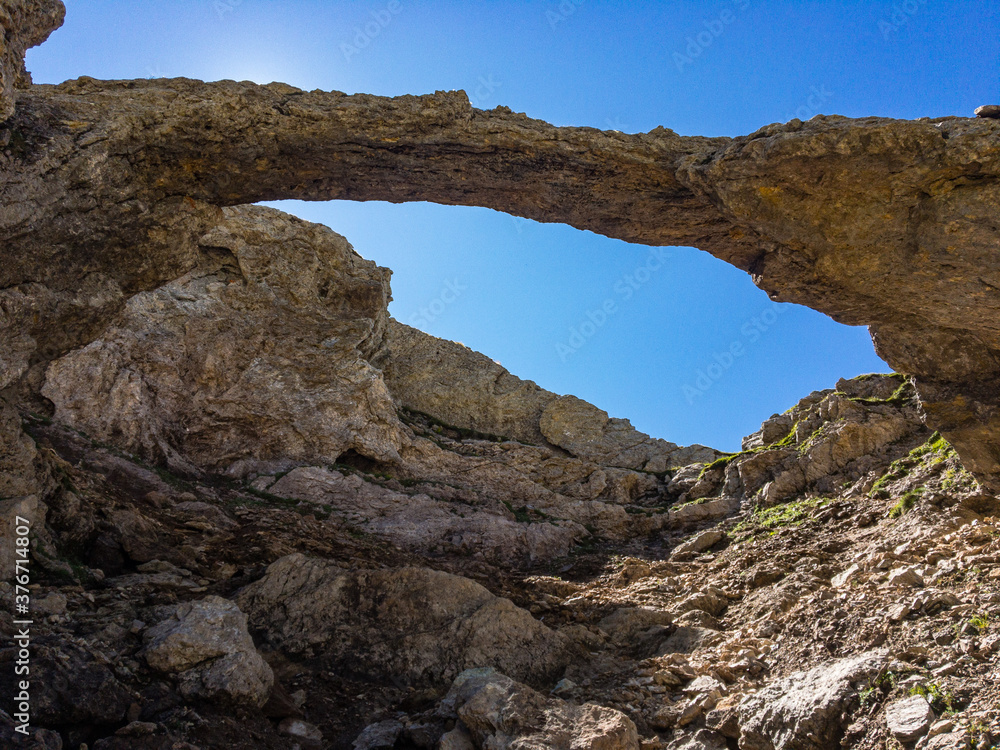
881	222
265	514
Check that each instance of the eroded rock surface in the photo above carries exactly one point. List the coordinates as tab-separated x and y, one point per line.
412	624
803	712
205	644
259	355
497	712
25	24
237	419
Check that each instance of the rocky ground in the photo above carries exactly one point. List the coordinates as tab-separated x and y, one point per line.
836	584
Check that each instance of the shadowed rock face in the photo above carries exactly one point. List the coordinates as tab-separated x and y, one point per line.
893	224
25	24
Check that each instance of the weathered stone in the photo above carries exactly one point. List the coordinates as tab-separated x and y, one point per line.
70	685
415	624
638	629
803	711
697	543
702	739
206	644
905	577
34	739
469	390
696	511
424	523
500	714
909	719
379	736
709	599
51	604
255	356
949	741
846	576
27	508
23	24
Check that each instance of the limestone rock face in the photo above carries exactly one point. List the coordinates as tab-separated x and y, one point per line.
500	714
469	390
207	646
422	522
588	432
461	387
872	221
414	624
25	24
803	711
17	456
829	440
258	355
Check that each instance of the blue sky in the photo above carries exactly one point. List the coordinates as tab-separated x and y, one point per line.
648	336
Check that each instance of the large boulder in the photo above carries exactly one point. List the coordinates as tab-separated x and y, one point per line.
413	625
804	710
500	714
205	644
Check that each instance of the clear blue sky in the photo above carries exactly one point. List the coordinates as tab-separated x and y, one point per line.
514	289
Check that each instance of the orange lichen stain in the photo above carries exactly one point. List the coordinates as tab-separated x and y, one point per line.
390	140
737	234
768	193
75	124
191	202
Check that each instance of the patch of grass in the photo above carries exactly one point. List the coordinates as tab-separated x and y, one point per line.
935	446
778	517
980	622
940	700
869	695
789	514
906	502
905	395
698	501
723	461
958	478
720	463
